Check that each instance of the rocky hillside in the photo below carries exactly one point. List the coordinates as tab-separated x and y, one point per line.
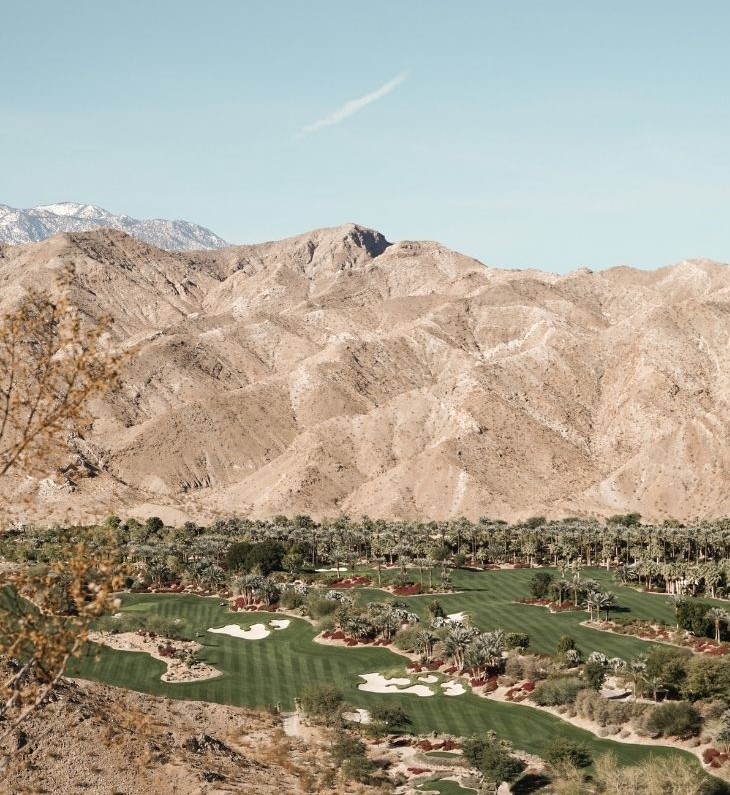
336	372
110	741
39	223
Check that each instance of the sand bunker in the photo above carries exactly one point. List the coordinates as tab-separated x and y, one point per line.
177	670
429	680
254	632
456	618
377	683
453	688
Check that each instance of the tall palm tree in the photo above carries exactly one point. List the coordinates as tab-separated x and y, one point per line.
426	641
456	643
676	601
718	616
636	668
655	684
603	601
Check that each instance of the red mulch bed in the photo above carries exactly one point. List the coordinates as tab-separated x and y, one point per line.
351	582
406	590
714	758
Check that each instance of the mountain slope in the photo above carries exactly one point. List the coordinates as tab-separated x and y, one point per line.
39	223
336	372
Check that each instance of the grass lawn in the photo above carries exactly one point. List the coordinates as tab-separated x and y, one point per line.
444	787
490	598
276	669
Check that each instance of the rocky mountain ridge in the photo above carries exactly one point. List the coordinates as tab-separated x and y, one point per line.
335	372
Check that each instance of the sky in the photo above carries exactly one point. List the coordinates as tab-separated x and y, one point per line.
553	134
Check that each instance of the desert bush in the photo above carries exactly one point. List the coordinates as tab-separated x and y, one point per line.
516	640
163	626
492	758
562	751
324	702
514	669
407	639
595	675
555	692
540	584
674	719
319	607
291	600
707	677
350	754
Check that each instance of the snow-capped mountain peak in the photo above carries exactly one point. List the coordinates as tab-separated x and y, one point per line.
38	223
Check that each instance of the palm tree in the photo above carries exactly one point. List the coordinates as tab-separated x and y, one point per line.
457	642
426	640
636	667
212	577
718	616
603	601
655	684
676	601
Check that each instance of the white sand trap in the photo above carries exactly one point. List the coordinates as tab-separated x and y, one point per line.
453	688
358	716
337	571
255	632
456	618
429	680
377	683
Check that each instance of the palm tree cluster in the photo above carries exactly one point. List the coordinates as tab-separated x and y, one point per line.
671	557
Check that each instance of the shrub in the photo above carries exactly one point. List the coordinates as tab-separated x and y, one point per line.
707	677
291	600
672	719
386	719
164	627
516	640
670	666
595	674
693	616
564	645
540	584
407	639
562	751
492	758
319	607
350	753
556	692
322	701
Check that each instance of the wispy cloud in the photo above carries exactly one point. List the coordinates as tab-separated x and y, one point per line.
352	106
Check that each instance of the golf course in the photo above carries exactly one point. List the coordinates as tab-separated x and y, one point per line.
275	669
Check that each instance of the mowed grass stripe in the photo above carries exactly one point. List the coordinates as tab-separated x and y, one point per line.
279	667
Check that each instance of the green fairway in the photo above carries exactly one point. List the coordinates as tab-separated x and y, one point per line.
490	598
278	668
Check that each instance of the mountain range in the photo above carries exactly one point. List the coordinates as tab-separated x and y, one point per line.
38	223
337	372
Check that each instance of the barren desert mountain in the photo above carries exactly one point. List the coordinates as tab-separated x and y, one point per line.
336	372
39	223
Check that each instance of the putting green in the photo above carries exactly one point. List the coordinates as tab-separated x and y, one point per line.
277	668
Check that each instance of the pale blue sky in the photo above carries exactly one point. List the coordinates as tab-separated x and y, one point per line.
540	133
